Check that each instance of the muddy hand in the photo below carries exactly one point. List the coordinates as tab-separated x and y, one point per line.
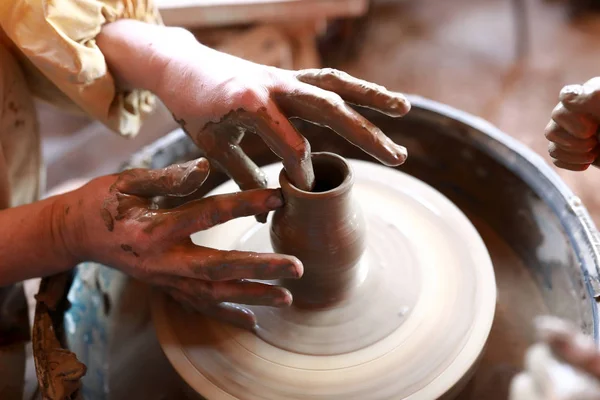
154	244
573	129
564	364
217	98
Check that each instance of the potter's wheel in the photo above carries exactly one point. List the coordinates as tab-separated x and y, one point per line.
414	328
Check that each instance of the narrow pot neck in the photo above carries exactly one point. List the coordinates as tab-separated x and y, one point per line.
333	185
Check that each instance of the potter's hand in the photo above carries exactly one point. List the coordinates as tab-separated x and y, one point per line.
573	130
123	228
564	365
217	98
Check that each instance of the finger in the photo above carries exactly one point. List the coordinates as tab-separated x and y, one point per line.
229	313
233	314
219	265
240	292
582	98
562	138
198	215
569	344
224	152
570	157
570	167
356	91
227	155
175	180
328	109
242	170
282	138
577	124
232	160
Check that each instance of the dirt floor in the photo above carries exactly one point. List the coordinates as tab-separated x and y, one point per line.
460	52
464	53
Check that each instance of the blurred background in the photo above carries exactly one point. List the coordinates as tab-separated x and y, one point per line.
502	60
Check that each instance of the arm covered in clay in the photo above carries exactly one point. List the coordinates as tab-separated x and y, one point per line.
114	220
564	364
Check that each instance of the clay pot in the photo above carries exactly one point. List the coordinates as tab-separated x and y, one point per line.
324	229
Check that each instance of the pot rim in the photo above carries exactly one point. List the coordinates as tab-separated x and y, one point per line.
332	159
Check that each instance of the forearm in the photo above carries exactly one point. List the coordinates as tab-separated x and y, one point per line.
32	241
137	53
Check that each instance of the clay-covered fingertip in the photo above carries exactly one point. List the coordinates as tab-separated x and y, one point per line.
404	106
286	299
275	200
570	93
396	107
295	269
261	218
203	164
247	319
569	167
402	155
398	156
200	171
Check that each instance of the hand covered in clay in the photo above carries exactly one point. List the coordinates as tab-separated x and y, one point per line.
563	365
124	228
217	98
573	129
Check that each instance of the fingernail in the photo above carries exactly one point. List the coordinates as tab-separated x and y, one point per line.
290	272
570	91
285	299
295	270
275	200
400	105
399	152
203	163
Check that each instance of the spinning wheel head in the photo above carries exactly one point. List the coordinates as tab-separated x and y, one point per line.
413	325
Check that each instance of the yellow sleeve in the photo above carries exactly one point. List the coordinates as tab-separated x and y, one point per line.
58	38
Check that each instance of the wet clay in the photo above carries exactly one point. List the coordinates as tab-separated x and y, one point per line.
325	230
136	189
153	243
319	96
356	91
413	326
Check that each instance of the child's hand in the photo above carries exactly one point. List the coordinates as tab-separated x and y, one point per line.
573	130
217	98
114	220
